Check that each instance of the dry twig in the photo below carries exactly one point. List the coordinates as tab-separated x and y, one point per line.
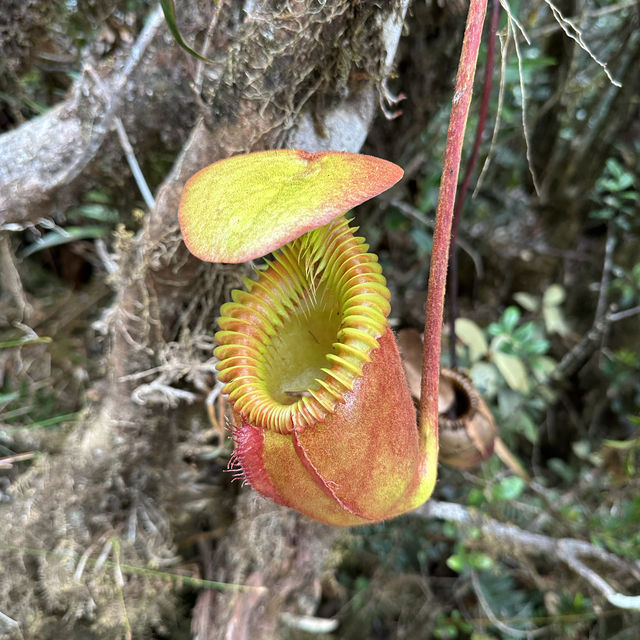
51	150
9	626
513	541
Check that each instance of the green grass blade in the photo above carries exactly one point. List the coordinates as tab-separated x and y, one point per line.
20	342
169	10
70	234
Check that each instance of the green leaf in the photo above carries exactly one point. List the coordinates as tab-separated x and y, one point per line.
70	234
423	240
456	563
5	398
622	179
554	321
476	497
542	367
622	444
526	301
538	62
602	214
20	342
51	422
553	296
509	402
612	201
512	369
479	560
509	488
246	206
582	449
536	347
525	332
614	167
101	197
472	336
528	427
485	377
510	318
446	631
169	10
607	184
625	181
494	329
567	474
97	211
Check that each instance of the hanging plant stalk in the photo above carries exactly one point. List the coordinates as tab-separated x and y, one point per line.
444	217
452	294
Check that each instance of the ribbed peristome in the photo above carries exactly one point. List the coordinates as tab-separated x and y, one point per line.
292	345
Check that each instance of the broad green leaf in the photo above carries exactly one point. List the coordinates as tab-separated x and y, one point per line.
525	333
526	425
510	318
512	370
554	321
622	179
553	296
169	10
536	347
456	563
509	488
614	167
485	377
542	367
476	497
479	560
472	335
246	206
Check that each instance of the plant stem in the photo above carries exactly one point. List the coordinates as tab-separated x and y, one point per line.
452	294
444	218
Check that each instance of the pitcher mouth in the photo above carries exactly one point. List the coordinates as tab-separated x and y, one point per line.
465	400
292	345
